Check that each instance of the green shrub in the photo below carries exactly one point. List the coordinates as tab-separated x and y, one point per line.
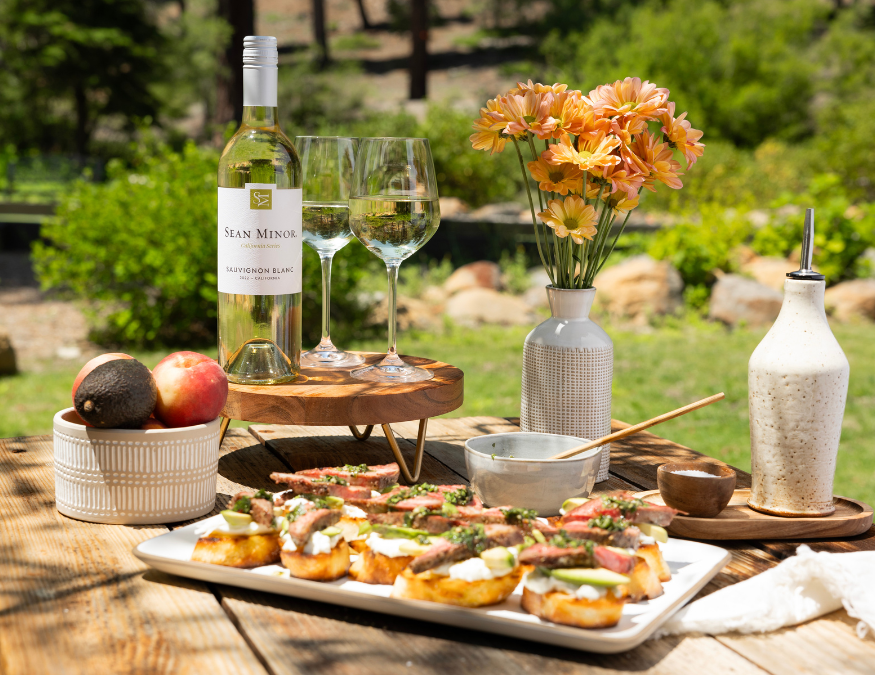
842	233
140	252
698	247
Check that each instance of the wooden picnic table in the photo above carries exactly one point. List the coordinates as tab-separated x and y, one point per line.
74	599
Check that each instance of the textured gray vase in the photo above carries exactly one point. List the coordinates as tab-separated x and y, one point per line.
568	366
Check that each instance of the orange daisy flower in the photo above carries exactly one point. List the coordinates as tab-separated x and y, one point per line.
629	96
560	178
528	112
489	135
660	159
571	217
624	204
591	154
523	87
622	179
680	135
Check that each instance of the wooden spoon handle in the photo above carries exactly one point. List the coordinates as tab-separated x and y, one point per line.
639	427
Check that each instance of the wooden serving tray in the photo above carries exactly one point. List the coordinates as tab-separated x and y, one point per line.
739	521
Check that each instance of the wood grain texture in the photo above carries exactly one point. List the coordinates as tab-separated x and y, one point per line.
329	396
637	457
739	521
73	599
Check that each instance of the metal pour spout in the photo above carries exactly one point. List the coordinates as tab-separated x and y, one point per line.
805	272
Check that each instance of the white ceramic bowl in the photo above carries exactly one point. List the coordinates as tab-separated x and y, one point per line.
134	476
529	479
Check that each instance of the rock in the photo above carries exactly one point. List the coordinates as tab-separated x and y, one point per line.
851	300
411	313
768	271
639	287
68	352
536	295
7	356
452	206
481	274
474	306
434	295
736	299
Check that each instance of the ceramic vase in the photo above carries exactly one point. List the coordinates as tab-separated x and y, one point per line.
797	385
568	366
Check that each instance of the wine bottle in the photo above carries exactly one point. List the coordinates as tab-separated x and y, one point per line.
260	234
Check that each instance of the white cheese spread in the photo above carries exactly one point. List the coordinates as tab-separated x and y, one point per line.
644	540
353	511
316	544
475	569
375	494
541	584
387	547
225	529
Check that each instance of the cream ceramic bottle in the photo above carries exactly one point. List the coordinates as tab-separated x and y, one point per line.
797	386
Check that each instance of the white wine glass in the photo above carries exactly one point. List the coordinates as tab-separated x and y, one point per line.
327	163
393	210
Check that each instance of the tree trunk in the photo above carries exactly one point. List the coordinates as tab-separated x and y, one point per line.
240	15
364	14
82	132
319	33
419	58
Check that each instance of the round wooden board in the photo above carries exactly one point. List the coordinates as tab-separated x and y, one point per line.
739	521
330	397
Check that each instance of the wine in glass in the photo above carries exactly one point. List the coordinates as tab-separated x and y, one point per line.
328	163
393	210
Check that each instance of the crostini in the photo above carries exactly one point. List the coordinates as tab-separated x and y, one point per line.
576	582
313	547
470	566
246	538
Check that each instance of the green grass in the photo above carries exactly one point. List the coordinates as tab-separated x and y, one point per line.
653	373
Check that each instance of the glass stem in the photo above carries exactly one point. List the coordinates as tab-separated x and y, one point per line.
326	299
392	358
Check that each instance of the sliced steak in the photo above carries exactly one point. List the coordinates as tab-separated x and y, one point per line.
441	553
614	560
654	514
494	516
431	523
554	557
589	510
546	528
261	511
376	477
302	485
310	522
444	551
369	505
627	538
428	501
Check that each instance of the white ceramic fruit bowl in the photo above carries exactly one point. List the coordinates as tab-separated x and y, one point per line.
134	476
515	469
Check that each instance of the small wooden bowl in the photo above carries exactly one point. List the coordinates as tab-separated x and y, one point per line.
698	496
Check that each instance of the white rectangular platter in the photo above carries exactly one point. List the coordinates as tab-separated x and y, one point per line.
692	565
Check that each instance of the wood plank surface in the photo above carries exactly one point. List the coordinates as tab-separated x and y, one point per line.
73	599
329	396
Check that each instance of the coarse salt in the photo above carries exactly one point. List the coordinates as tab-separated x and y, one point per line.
695	472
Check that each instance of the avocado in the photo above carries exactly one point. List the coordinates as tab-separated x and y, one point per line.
119	394
498	558
236	519
398	532
573	503
331	531
594	577
655	531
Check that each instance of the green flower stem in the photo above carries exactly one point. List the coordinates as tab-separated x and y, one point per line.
534	159
604	231
532	207
616	239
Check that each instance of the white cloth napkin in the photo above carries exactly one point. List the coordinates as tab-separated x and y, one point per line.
801	588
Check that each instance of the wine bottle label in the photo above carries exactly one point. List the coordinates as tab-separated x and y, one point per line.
260	240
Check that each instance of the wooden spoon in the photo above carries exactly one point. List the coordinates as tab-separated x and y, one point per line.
639	427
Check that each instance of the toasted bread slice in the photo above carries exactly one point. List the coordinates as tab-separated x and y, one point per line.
319	566
653	556
246	552
376	568
643	582
560	607
438	588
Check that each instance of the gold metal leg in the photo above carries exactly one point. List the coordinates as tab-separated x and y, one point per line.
223	429
417	456
361	435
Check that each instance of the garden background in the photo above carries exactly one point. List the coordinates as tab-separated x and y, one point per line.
113	114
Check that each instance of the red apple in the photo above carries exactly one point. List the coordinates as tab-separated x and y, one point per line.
192	389
92	364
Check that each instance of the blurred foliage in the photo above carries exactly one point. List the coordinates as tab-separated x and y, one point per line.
699	246
155	283
515	271
843	231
